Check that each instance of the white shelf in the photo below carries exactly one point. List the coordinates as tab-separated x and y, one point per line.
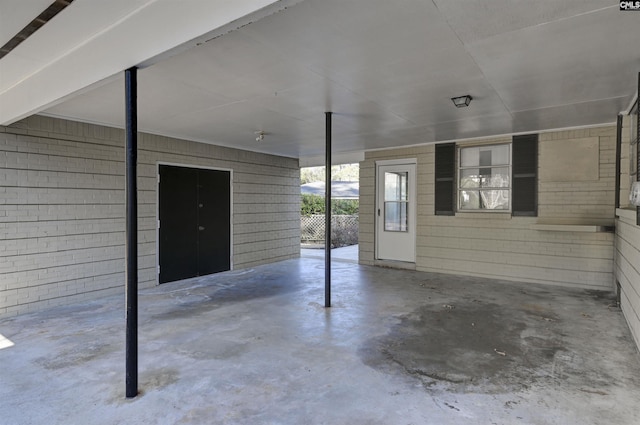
572	227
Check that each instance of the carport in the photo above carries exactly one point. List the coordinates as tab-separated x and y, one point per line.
257	346
496	141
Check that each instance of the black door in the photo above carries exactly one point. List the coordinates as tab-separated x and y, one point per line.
194	222
214	197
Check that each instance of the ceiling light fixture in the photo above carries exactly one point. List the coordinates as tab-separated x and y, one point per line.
260	136
461	101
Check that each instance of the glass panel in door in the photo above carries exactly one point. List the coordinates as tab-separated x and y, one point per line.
396	217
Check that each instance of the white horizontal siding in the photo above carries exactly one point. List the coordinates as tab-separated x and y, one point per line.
504	247
627	269
62	208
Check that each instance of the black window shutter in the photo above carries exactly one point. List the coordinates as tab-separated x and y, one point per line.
445	178
525	175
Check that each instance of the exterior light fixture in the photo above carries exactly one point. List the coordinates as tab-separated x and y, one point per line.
259	136
461	101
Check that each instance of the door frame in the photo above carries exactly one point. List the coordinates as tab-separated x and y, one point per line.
413	203
199	167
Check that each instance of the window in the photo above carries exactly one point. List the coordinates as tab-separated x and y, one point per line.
484	178
501	177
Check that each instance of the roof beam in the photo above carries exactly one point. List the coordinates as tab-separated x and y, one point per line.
65	57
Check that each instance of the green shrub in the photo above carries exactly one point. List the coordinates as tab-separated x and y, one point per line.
314	204
345	206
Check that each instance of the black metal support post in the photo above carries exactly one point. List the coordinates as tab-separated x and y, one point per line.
327	213
131	243
618	160
638	145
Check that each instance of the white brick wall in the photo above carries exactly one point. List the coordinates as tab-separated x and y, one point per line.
505	247
62	209
627	268
625	180
627	252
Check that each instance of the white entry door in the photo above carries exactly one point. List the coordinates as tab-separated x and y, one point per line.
396	210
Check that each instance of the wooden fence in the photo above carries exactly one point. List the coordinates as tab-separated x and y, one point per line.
344	229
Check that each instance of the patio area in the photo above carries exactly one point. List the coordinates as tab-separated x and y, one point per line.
256	346
347	254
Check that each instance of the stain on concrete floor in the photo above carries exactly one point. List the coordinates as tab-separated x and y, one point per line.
75	355
469	347
202	299
157	379
257	346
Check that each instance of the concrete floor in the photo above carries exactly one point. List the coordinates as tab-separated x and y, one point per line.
398	347
347	254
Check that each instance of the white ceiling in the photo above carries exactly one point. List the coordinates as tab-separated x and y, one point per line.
387	69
